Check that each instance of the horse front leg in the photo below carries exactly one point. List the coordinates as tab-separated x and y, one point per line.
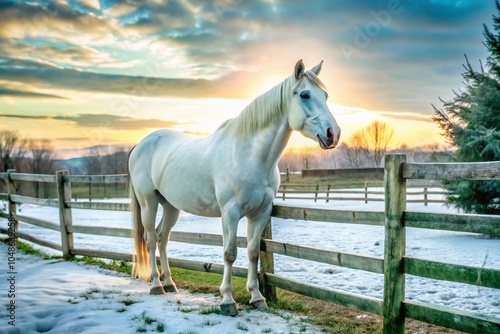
229	229
255	228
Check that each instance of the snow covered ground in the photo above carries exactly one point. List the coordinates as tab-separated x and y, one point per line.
452	247
66	297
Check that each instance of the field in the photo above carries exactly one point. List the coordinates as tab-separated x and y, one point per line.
90	291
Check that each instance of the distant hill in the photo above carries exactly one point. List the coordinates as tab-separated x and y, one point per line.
65	154
74	165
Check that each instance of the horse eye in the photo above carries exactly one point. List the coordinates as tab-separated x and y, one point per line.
304	95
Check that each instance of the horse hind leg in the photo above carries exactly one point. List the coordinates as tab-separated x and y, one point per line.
148	213
168	220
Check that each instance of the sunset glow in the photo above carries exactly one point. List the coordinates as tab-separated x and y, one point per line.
89	72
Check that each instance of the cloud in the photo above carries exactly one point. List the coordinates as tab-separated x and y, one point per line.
103	121
92	4
70	54
116	122
27	94
24	116
51	77
55	19
220	48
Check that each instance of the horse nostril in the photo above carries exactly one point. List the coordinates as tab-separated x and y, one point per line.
329	133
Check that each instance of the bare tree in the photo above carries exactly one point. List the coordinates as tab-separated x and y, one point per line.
94	163
42	161
12	149
115	162
356	150
308	156
378	135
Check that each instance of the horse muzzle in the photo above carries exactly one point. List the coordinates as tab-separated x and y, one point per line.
329	141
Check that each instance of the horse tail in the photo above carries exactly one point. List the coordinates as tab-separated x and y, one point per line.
141	267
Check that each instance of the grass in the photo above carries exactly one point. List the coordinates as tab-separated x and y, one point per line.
115	265
241	326
148	324
210	310
127	301
27	249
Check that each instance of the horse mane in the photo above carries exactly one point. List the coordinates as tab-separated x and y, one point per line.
266	108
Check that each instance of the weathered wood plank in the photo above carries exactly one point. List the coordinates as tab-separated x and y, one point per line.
425	201
3	175
347	260
486	277
363	303
33	177
486	224
102	254
329	215
35	240
205	267
320	191
35	201
99	206
204	239
117	178
395	241
4	197
11	190
65	217
38	222
266	264
98	230
4	215
332	198
428	193
452	170
452	318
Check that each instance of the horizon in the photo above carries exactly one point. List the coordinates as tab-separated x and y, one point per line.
86	73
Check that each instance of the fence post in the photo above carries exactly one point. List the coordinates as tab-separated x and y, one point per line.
90	191
267	265
366	192
316	194
395	242
11	190
425	196
284	191
65	218
328	194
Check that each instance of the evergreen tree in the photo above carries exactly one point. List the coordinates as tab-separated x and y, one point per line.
471	122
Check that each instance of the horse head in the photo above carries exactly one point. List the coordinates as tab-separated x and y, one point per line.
309	113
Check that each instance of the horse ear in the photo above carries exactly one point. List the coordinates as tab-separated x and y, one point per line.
316	69
298	72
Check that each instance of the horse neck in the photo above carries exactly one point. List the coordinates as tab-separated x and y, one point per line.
268	139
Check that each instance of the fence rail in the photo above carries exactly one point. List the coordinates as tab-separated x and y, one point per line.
327	193
395	218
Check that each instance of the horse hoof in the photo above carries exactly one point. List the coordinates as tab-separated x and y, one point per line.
229	310
260	305
170	288
157	290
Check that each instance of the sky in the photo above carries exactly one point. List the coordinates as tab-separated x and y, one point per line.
106	72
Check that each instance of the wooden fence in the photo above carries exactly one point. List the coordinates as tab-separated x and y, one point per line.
327	193
393	307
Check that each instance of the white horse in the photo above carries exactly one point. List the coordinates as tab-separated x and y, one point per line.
230	174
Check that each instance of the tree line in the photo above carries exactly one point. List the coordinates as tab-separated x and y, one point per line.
365	148
38	156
